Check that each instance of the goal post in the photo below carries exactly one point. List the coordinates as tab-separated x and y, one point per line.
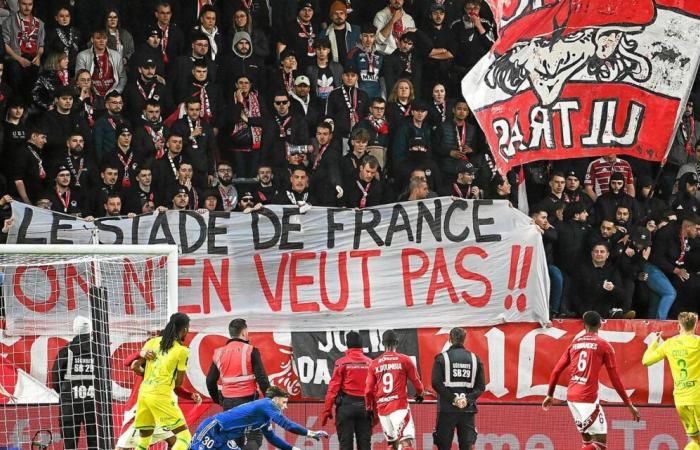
70	315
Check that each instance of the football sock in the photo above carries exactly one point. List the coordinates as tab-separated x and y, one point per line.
692	445
144	443
183	440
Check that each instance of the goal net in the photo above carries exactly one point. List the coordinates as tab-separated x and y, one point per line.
70	318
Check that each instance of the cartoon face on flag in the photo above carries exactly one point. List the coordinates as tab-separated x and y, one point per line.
580	78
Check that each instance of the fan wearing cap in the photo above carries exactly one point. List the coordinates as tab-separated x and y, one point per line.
341	35
573	190
180	70
282	128
686	201
60	122
369	62
200	142
299	35
72	377
180	198
144	87
415	126
419	157
304	104
242	60
464	186
391	23
248	201
149	48
210	202
29	165
406	62
324	74
367	188
347	104
63	198
473	36
124	157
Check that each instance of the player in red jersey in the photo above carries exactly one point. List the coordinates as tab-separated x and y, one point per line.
586	355
386	393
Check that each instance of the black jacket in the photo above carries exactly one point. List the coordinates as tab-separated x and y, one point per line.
571	246
588	284
446	394
278	132
337	108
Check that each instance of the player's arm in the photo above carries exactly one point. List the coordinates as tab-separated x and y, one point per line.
181	366
129	362
562	364
655	352
412	374
611	367
58	369
291	426
275	440
369	388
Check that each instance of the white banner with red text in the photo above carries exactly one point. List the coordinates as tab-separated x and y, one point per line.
572	79
437	262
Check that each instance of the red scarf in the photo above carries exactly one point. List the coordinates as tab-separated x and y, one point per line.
380	125
28	35
102	74
688	130
321	150
365	193
397	30
201	92
126	181
66	202
164	42
251	108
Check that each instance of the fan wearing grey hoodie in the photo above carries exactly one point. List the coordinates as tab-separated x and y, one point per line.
242	61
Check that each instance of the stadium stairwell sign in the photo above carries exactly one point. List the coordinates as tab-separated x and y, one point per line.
405	265
579	78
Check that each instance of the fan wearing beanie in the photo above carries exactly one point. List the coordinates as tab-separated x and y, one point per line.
342	35
346	391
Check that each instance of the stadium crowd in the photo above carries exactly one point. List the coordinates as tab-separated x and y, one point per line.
126	107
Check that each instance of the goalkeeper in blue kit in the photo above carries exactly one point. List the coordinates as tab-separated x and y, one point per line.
221	430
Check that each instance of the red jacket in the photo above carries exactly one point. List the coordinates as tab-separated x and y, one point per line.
349	376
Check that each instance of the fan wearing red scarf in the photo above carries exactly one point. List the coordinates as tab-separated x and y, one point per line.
24	44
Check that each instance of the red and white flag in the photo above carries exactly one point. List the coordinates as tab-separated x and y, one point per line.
580	78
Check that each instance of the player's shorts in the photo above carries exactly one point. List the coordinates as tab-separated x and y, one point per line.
207	438
130	437
690	418
589	418
158	410
398	425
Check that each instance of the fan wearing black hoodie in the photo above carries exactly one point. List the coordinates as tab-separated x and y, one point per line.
686	201
607	203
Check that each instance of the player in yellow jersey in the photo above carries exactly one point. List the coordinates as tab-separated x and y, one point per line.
683	354
165	359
